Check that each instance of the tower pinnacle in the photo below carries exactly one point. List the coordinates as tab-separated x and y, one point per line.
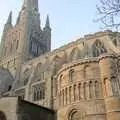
9	21
47	25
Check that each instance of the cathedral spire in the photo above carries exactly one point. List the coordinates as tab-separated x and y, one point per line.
30	4
47	25
9	20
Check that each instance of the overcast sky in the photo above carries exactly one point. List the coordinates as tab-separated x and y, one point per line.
69	19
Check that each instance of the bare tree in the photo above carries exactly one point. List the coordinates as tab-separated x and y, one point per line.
109	13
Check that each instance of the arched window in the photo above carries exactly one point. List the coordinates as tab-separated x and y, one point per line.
98	48
79	91
91	89
71	75
39	67
75	54
74	93
39	92
26	75
97	89
76	115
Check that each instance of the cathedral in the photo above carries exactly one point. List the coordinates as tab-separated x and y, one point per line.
78	81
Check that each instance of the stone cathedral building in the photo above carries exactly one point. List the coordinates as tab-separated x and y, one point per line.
78	81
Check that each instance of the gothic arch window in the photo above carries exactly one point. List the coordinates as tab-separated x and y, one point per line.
39	92
56	63
86	51
72	75
39	66
98	48
2	116
75	54
26	75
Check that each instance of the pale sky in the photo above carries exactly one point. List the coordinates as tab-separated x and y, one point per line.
69	19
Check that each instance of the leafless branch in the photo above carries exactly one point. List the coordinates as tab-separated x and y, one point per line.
109	13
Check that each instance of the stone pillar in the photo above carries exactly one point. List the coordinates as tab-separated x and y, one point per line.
108	69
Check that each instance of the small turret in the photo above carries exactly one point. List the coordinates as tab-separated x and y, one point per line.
47	34
7	26
9	21
47	25
110	85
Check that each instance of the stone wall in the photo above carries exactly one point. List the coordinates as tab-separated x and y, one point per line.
30	111
79	89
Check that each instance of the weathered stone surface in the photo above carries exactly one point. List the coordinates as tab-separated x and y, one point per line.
80	80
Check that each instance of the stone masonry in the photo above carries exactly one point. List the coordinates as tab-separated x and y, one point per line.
79	81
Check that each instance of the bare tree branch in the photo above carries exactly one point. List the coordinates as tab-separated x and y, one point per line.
109	13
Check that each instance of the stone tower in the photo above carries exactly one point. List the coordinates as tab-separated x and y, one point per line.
26	39
26	36
110	84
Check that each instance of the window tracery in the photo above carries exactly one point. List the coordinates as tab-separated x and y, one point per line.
39	92
98	48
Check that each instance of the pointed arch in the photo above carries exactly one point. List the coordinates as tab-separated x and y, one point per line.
98	48
75	54
56	58
86	52
56	63
39	66
26	75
